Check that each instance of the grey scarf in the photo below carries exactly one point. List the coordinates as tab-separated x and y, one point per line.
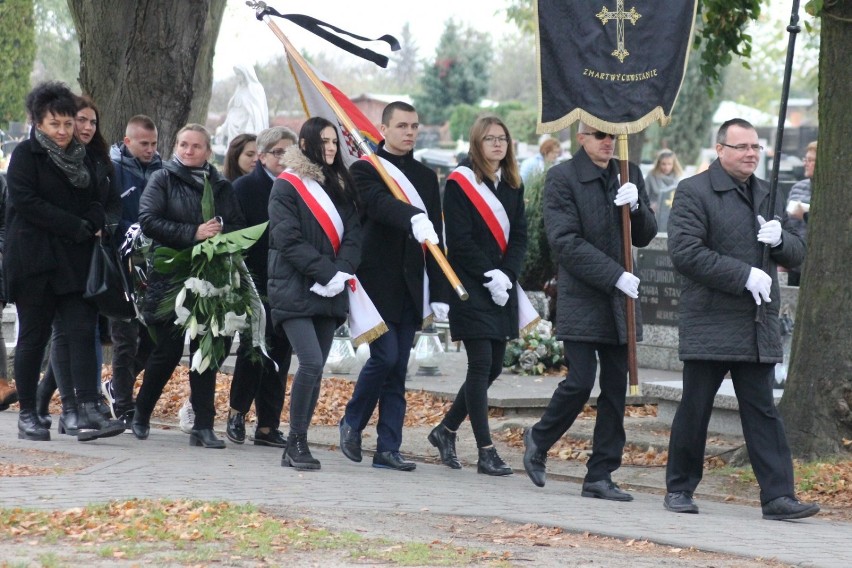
69	160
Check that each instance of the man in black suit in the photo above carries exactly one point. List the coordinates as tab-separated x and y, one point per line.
392	273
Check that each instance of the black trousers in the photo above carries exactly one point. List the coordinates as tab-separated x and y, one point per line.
165	357
574	391
311	339
131	346
78	321
766	440
484	365
255	378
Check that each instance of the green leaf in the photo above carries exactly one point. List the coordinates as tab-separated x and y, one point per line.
208	207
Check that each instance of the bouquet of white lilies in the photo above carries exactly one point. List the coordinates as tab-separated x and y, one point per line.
213	295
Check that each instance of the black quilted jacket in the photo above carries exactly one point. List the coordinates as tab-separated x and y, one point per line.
584	229
713	243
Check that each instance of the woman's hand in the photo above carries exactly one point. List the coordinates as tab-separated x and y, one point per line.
209	229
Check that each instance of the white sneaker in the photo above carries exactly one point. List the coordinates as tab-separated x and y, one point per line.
109	397
187	417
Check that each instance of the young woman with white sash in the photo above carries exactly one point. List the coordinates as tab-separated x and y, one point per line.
314	250
486	243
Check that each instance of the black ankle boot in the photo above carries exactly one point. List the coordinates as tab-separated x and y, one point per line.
298	454
490	463
236	428
93	425
141	425
29	428
68	422
207	438
445	441
43	396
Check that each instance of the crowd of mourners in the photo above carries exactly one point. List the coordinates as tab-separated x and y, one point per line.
341	243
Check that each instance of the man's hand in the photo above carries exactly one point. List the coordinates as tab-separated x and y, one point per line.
627	194
423	230
629	284
770	232
759	284
500	297
440	310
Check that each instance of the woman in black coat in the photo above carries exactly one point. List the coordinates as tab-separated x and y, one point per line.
307	273
170	214
55	210
489	270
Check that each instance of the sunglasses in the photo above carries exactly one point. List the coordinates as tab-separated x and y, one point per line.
599	135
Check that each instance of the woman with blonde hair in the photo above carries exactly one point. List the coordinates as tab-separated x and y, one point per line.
663	176
486	233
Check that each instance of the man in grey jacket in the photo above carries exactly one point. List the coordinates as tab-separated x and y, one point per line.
717	233
582	202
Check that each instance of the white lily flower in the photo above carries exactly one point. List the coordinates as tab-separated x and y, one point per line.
214	327
193	327
234	323
205	363
182	315
196	361
236	279
181	298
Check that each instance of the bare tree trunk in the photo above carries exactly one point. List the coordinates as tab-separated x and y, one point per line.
817	400
151	57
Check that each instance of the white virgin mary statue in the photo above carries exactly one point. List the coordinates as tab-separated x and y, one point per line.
248	111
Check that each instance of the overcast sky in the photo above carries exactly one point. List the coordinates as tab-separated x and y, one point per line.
244	38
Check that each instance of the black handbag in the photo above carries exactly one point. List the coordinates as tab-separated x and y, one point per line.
106	286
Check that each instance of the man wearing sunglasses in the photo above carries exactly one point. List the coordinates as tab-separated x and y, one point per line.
717	234
582	202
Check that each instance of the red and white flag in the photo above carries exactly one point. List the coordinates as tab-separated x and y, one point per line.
316	105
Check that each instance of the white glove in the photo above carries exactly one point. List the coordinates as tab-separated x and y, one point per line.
770	231
337	283
759	284
499	281
440	310
627	194
321	290
423	230
629	284
500	297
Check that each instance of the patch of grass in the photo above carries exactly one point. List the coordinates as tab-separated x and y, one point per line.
195	532
48	560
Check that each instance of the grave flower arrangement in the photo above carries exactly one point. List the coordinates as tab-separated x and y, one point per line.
213	294
534	354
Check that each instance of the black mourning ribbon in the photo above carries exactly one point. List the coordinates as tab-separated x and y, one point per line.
317	27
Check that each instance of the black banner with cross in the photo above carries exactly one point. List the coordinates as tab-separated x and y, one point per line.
617	65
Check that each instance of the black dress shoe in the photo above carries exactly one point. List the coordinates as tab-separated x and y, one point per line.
490	463
236	428
140	426
350	441
787	508
272	438
535	460
445	441
680	502
605	489
29	428
207	438
93	424
392	460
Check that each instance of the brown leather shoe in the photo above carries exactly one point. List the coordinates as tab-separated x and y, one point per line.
8	394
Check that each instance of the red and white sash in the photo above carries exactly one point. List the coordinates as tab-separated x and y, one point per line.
365	323
414	199
497	220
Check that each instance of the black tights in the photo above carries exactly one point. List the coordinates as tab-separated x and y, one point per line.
484	364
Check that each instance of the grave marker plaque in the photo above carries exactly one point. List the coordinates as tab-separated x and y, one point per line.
659	288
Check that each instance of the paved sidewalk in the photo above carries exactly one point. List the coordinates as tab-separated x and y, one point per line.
165	466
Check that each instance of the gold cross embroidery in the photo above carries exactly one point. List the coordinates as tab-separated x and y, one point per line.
619	16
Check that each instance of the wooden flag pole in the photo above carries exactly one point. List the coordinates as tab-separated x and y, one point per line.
627	252
295	57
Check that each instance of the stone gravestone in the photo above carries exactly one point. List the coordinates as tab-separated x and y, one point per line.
659	294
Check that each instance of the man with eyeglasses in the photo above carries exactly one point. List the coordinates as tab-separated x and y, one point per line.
799	205
256	379
716	236
582	216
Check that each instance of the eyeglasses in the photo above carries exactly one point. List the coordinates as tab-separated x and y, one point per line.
743	147
808	160
278	152
494	140
599	135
